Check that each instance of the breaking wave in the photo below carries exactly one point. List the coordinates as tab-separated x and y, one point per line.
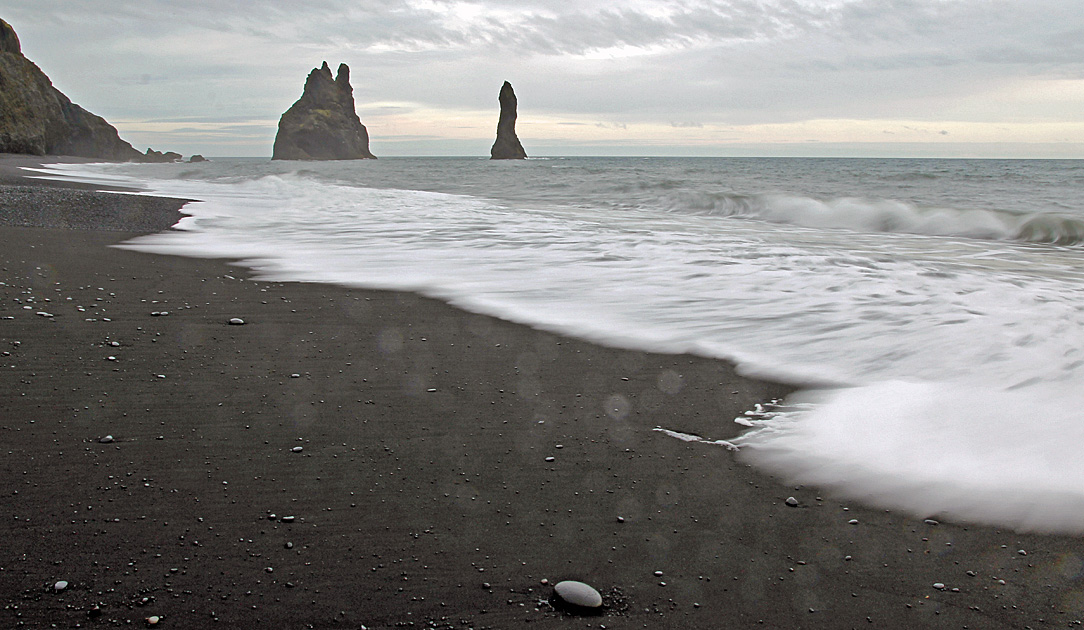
883	215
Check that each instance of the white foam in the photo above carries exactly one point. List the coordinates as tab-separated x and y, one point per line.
958	450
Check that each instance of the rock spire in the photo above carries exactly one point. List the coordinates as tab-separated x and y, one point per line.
507	146
322	124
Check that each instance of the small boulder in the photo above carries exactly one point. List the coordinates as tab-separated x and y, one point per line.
577	597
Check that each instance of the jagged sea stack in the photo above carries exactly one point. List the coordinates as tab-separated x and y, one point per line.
322	124
36	118
507	146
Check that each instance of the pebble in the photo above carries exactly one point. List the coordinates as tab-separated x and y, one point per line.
59	586
106	439
930	521
288	519
853	521
578	595
295	376
152	620
791	501
297	449
551	459
237	321
939	586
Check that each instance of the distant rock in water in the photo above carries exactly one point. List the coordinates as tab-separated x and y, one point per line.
38	119
322	124
507	146
157	156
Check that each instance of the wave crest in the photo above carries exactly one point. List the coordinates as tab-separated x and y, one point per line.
883	215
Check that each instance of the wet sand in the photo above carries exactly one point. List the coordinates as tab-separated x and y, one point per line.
423	494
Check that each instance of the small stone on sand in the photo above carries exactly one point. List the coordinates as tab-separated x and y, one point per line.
106	439
577	595
297	449
792	502
59	586
237	321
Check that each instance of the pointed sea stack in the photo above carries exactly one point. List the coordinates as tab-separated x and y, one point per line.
322	124
507	146
36	118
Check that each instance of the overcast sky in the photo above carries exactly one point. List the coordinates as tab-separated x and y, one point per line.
637	77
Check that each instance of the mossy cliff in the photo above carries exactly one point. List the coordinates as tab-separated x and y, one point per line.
38	119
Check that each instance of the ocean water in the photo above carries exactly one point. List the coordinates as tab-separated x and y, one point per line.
931	310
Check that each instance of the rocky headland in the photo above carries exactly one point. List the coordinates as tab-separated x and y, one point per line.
322	124
38	119
507	146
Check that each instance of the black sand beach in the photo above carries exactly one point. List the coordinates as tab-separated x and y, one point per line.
423	494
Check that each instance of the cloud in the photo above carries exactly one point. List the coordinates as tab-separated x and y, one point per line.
691	64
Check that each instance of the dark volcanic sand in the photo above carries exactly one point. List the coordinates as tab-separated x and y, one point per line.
422	495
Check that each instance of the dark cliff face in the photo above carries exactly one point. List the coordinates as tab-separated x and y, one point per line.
507	146
38	119
322	124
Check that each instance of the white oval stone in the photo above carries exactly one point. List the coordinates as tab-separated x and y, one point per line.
106	440
577	594
237	321
61	585
792	502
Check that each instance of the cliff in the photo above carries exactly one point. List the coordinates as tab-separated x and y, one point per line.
38	119
507	146
322	124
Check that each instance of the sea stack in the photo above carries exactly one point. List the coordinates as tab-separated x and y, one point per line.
322	124
507	146
36	118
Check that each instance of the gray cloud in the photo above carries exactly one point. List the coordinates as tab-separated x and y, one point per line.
655	61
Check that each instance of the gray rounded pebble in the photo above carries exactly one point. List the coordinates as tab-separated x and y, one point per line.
59	586
577	594
106	440
237	321
792	502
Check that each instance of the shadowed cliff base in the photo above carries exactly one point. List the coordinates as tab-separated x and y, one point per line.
322	124
507	146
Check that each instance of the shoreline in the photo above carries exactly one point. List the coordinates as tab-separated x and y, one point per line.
423	492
